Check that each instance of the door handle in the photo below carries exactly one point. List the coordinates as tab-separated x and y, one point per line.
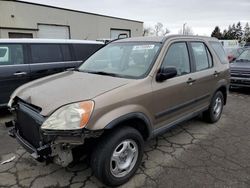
190	81
216	73
20	73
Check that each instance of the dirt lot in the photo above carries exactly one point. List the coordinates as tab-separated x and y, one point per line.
194	154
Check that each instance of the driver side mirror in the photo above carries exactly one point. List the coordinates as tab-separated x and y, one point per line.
166	73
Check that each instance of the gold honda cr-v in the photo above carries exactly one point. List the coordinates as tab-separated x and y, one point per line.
127	92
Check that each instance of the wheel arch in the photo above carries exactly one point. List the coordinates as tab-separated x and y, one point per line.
137	120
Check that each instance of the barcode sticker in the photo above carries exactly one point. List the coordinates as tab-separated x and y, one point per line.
144	47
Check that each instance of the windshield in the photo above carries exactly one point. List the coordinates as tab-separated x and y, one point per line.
244	57
128	60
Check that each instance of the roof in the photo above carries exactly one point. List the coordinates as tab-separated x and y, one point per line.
162	39
72	10
24	40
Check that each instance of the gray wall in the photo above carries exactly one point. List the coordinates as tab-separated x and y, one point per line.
26	18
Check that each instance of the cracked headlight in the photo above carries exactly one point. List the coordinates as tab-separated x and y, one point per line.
70	117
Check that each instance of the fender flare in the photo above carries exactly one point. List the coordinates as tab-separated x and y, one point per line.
138	115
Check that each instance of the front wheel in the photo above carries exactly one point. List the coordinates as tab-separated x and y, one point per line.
214	111
118	156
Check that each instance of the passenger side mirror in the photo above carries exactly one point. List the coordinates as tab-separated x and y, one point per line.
166	73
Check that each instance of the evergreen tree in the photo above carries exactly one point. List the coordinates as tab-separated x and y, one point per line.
230	35
238	32
216	33
246	36
224	35
233	32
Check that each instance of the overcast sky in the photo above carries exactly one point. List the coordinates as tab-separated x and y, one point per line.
201	15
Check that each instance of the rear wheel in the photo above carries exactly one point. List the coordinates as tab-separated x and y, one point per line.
214	111
118	156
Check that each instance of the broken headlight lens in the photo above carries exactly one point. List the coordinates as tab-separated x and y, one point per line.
70	117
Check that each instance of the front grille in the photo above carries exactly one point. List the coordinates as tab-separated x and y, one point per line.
28	124
241	82
241	74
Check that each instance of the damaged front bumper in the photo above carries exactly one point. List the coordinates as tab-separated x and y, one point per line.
58	150
49	146
40	153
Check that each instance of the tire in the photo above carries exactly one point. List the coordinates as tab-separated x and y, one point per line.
215	109
110	146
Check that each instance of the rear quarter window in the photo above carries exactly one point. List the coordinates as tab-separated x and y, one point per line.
218	49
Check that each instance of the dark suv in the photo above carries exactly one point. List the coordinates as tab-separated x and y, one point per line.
126	93
240	70
23	60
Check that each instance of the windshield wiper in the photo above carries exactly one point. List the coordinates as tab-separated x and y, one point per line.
242	60
102	73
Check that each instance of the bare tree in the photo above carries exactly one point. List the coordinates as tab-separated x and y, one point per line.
158	28
187	31
166	31
147	31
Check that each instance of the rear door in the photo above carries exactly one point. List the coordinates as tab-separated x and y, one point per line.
47	59
13	70
205	75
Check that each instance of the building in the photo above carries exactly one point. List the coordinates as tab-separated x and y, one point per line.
20	19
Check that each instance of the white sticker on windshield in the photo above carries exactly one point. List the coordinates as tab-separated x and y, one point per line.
144	47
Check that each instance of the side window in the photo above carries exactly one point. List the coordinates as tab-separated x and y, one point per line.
44	53
201	56
83	51
217	47
177	56
66	52
11	54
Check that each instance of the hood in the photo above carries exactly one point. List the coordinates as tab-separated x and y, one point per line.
52	92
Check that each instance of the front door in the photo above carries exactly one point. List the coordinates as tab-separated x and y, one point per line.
175	97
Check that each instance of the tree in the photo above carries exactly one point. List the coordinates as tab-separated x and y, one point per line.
216	33
158	30
234	32
223	37
187	31
230	34
147	31
246	35
238	32
166	31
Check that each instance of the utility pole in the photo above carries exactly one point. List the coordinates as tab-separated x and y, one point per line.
183	29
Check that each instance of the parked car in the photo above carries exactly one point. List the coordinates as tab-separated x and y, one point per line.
233	53
126	93
23	60
240	70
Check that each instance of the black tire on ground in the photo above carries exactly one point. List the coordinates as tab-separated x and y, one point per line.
102	154
210	115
